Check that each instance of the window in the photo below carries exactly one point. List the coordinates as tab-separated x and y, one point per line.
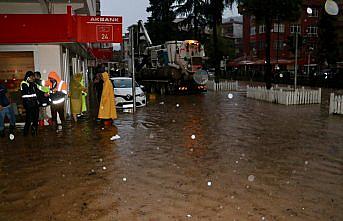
312	30
123	83
280	43
294	28
314	13
253	30
262	29
261	45
279	28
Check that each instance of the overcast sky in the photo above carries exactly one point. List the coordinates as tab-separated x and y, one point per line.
134	10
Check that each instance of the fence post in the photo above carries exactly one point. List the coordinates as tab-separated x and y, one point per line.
331	109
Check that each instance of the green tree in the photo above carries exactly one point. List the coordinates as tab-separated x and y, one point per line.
328	47
160	25
194	10
268	11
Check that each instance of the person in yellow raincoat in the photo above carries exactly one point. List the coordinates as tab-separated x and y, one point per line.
107	108
76	89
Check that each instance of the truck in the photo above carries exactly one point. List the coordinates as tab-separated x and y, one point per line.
174	67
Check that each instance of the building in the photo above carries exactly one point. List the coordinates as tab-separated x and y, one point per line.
65	31
233	28
282	40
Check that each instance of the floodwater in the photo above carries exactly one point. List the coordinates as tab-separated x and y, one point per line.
247	160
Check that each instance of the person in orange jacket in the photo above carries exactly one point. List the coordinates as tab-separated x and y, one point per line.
58	93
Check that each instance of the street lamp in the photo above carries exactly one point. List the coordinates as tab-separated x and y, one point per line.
309	60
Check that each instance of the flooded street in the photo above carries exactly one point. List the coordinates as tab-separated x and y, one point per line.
247	160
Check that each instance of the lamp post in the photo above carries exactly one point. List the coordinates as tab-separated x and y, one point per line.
309	60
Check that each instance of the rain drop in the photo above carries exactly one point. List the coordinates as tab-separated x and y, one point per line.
191	149
237	161
263	218
189	215
230	96
100	159
157	148
306	162
193	137
102	128
151	136
124	179
162	102
251	178
104	168
209	183
177	105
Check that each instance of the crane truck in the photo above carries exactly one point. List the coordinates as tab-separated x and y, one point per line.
174	67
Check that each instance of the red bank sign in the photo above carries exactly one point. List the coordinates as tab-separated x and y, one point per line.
49	28
99	29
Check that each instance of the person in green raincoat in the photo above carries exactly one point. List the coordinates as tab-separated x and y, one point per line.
84	95
76	89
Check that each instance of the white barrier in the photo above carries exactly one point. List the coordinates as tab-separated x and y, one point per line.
222	86
286	97
336	104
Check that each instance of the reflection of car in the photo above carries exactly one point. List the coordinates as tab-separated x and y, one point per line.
123	93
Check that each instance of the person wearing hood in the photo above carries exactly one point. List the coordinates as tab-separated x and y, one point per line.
5	110
107	109
28	90
76	90
58	92
43	98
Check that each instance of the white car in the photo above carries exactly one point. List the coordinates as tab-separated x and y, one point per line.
123	93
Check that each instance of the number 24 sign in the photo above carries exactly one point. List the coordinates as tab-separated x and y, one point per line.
104	32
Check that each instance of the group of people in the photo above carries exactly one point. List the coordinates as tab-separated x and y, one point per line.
39	96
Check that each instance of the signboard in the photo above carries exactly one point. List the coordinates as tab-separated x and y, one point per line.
103	29
57	28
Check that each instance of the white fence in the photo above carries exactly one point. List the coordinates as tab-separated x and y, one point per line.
222	86
286	97
336	104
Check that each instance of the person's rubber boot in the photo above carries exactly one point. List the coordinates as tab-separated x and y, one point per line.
2	133
25	132
33	131
50	122
41	123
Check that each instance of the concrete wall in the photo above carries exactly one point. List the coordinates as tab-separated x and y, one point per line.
20	8
49	57
36	8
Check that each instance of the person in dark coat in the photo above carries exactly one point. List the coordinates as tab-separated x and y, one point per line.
5	110
30	101
43	97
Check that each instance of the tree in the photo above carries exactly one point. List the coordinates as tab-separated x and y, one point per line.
267	11
160	25
328	47
194	10
215	9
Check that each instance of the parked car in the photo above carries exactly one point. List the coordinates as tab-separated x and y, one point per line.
123	93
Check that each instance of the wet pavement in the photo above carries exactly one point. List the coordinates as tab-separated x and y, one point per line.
247	160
